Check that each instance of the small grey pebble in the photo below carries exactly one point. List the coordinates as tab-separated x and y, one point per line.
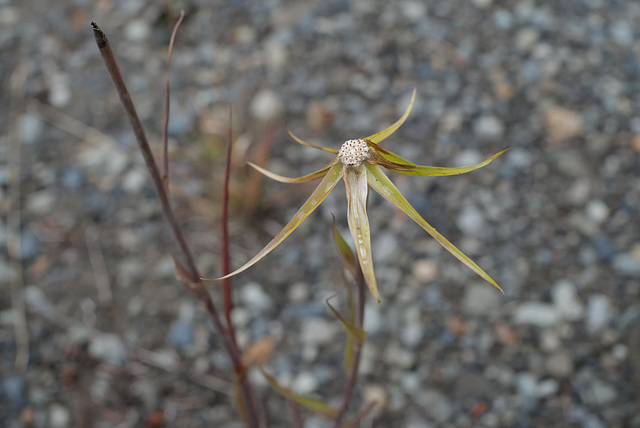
13	391
488	128
560	364
181	334
481	301
108	347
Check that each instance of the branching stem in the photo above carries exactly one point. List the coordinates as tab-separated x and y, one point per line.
247	392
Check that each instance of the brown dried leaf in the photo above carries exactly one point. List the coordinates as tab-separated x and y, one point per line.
196	287
259	352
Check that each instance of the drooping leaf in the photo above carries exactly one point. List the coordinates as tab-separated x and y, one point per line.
385	187
358	334
357	190
354	335
319	194
281	178
305	143
379	136
434	171
344	251
315	406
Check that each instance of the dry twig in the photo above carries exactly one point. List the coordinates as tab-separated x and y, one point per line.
17	83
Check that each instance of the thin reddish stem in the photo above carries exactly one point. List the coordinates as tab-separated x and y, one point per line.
227	296
195	283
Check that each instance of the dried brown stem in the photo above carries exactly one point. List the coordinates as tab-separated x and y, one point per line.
14	195
194	276
227	296
165	127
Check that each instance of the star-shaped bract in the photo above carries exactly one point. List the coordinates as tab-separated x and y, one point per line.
358	162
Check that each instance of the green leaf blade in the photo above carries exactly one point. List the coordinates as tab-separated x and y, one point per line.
434	171
357	334
345	253
389	155
379	136
385	187
281	178
357	191
306	143
315	406
319	194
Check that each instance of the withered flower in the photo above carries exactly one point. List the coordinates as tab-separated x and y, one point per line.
358	162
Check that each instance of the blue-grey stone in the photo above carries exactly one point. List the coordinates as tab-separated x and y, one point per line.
181	334
13	390
108	347
72	178
503	19
29	245
627	264
604	247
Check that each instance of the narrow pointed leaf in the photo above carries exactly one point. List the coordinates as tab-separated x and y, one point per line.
379	136
389	155
354	335
305	143
357	190
319	194
345	253
358	334
315	406
434	171
281	178
381	184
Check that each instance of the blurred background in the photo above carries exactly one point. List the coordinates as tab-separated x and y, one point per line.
95	331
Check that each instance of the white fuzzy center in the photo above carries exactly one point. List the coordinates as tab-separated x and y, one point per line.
353	152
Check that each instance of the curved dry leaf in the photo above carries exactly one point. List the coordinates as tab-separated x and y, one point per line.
258	353
385	187
319	194
315	406
357	190
379	136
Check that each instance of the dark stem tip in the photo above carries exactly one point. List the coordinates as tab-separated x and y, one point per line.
101	38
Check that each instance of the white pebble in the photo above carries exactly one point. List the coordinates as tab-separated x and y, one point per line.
254	297
566	302
599	312
305	383
266	106
536	314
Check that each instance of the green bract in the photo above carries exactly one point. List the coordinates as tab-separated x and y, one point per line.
358	162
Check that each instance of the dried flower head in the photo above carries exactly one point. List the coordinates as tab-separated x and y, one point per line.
354	152
358	162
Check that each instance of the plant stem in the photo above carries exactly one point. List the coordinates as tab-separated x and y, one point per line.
165	127
357	347
227	296
248	395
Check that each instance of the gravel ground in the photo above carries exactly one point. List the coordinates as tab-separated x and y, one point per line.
115	341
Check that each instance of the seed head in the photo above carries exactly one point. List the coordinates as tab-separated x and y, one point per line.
354	152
